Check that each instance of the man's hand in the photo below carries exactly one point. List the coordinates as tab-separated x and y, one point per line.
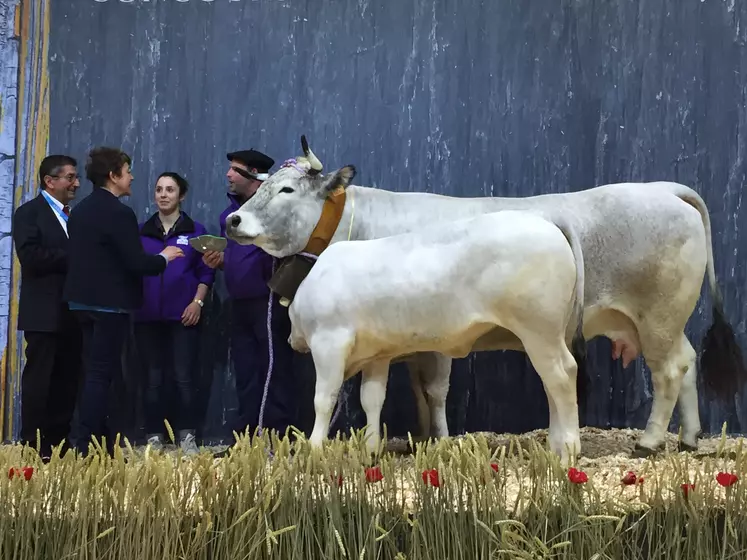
172	253
213	259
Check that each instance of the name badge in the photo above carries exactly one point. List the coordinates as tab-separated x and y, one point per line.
182	240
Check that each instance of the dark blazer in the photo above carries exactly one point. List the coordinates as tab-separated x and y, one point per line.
41	246
106	261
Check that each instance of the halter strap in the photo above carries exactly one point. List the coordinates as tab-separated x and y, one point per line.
328	222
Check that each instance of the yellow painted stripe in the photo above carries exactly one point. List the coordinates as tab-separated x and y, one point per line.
32	27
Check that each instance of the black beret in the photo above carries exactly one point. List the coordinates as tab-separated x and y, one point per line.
252	159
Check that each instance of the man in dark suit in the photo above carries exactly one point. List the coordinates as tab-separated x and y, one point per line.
51	376
104	285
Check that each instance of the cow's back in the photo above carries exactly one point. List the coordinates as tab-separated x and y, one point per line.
625	229
633	236
639	240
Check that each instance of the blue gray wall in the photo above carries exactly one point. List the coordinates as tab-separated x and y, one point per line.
467	97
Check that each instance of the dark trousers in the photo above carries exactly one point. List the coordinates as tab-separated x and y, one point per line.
104	335
168	347
250	356
49	385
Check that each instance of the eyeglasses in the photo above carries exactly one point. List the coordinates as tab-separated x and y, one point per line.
70	177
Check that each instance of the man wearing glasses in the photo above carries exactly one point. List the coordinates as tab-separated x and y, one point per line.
50	378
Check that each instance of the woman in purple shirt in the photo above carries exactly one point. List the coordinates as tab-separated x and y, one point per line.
167	325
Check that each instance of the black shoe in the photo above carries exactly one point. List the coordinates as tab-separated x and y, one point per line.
220	454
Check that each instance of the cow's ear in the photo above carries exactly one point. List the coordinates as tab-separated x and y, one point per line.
340	179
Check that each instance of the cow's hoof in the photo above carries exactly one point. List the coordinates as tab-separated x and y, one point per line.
640	452
682	446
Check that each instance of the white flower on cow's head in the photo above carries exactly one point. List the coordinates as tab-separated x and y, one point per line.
284	211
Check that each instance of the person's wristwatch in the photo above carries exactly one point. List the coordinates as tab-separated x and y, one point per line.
198	302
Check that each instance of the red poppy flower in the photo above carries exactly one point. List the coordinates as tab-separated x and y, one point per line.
374	474
630	478
494	466
430	476
25	472
686	488
576	476
726	479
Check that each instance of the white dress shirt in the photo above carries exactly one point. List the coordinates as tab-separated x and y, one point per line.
54	202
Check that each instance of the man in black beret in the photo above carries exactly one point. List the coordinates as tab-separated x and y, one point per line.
247	270
254	166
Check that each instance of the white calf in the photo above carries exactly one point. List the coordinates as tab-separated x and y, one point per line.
440	289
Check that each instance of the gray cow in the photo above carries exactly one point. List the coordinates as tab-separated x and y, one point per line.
646	246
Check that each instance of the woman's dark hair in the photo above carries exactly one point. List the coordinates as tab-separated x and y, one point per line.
180	181
102	161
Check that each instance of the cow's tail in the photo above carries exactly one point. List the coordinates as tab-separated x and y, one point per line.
721	362
578	342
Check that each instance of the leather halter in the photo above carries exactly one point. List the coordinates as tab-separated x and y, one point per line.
294	269
328	222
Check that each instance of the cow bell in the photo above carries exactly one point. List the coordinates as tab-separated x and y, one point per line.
288	277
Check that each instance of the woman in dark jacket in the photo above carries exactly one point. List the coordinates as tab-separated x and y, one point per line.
167	324
106	264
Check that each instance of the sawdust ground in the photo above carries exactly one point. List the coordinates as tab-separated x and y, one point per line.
607	457
597	444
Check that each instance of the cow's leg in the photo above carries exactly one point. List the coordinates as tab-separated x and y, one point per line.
668	363
553	436
373	393
329	354
430	375
421	403
557	368
437	375
663	310
688	401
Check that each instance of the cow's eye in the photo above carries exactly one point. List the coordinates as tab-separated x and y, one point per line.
286	190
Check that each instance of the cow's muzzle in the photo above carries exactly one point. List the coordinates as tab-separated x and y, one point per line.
240	229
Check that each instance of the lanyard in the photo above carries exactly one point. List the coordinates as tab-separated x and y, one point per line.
54	206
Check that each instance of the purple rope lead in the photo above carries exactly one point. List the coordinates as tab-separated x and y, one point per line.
272	356
271	352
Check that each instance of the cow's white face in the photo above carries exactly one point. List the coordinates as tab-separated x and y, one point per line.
284	211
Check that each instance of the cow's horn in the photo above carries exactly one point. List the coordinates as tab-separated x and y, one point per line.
316	165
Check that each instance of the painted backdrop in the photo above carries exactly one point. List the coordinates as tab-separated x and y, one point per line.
467	98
